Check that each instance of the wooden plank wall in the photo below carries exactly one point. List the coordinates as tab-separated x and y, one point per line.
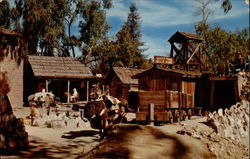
164	100
188	87
159	81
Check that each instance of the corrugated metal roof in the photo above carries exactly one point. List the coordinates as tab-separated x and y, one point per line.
125	74
58	67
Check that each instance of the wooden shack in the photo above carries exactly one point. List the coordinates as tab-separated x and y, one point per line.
159	79
120	81
57	74
167	88
11	64
214	92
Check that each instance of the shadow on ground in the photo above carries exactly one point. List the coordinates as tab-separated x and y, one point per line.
39	148
83	133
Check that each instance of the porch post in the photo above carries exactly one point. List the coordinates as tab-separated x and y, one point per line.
46	86
87	90
68	91
212	96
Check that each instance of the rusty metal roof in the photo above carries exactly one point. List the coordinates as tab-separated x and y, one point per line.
125	74
59	67
180	37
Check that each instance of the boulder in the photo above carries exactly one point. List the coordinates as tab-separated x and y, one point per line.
57	124
220	112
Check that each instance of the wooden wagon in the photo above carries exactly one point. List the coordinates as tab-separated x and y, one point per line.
170	91
168	105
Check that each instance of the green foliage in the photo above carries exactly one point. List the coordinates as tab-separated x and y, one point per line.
5	13
93	29
127	48
221	45
43	24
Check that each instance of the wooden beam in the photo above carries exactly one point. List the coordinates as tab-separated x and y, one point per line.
178	52
171	51
197	48
151	114
212	96
68	91
47	85
87	91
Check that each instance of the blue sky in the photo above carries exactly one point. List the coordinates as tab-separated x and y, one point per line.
160	19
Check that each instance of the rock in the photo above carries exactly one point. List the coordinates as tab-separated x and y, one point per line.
81	124
220	112
53	117
71	123
189	133
196	135
38	122
181	132
61	116
57	124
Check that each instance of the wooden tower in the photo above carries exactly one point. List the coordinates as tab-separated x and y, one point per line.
186	51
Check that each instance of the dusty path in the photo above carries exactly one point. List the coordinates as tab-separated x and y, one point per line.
55	143
133	142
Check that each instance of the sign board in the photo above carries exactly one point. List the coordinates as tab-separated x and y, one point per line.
163	60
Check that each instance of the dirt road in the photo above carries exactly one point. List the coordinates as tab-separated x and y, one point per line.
131	141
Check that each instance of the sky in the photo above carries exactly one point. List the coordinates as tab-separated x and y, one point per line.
160	19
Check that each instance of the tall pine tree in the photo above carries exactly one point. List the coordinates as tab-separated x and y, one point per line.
130	47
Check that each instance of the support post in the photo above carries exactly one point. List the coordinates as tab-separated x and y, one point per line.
68	91
103	89
47	85
212	95
87	91
151	114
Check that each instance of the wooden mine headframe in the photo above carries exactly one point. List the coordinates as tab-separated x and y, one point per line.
187	53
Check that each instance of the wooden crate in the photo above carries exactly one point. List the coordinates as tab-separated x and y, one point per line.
190	101
141	116
164	100
161	116
149	97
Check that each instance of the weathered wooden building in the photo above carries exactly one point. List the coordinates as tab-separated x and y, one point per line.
120	81
214	92
12	65
159	79
57	74
167	88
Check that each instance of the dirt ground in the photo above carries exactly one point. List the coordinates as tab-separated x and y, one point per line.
130	141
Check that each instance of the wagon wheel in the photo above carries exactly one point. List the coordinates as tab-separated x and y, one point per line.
189	114
171	119
176	116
